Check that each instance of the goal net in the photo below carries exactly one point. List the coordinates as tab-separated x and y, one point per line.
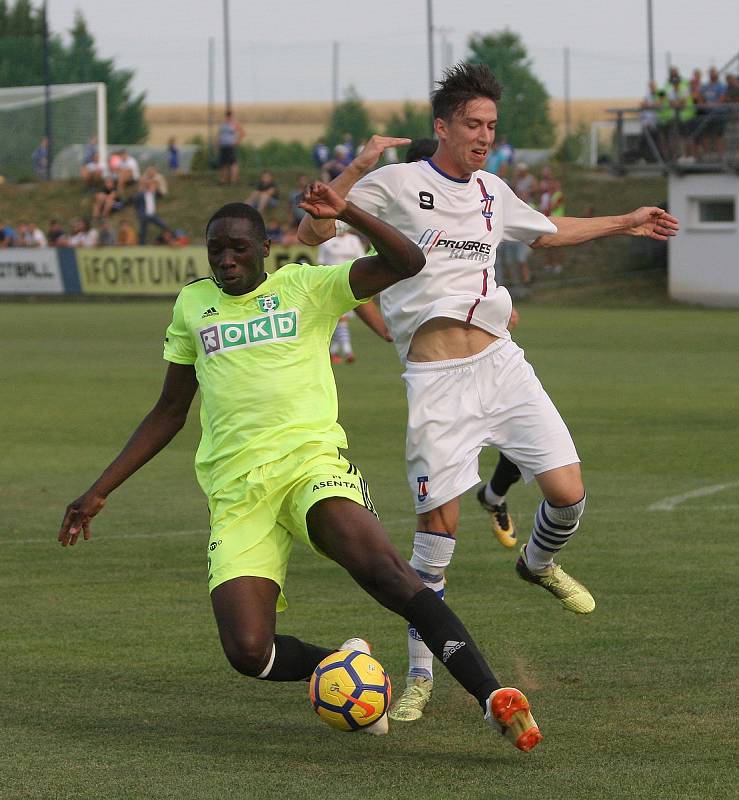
77	113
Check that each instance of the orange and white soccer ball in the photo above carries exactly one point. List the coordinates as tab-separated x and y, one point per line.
350	690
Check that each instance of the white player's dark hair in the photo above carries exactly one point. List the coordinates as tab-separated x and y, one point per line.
461	83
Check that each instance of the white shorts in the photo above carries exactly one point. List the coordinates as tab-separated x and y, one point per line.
457	407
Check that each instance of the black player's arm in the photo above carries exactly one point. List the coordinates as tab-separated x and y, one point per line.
649	221
312	231
156	430
397	256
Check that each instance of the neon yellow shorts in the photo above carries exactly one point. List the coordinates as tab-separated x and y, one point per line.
255	518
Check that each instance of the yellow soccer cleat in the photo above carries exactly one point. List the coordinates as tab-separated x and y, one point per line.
508	711
500	520
572	594
411	703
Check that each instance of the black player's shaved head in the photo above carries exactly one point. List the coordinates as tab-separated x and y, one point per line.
460	84
240	211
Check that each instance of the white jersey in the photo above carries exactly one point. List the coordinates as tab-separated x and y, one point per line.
342	248
458	224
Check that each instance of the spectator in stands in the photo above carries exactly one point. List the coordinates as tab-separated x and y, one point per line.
295	197
7	235
555	208
151	173
127	171
29	235
349	149
145	203
320	154
266	193
713	95
273	230
334	167
500	160
90	151
107	200
126	236
83	235
682	105
732	88
40	159
230	134
695	83
93	172
173	157
525	183
56	235
106	234
176	238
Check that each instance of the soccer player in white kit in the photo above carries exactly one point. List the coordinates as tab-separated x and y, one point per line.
467	382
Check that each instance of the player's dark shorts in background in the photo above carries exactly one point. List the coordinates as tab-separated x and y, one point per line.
226	156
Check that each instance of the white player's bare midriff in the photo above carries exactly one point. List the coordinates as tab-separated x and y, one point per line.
442	339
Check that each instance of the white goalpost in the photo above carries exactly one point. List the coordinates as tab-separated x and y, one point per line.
78	112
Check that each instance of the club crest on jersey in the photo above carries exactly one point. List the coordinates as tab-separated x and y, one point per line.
423	487
487	204
268	302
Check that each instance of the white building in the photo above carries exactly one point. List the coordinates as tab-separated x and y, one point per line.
704	256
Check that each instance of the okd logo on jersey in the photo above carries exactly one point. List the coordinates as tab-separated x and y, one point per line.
236	335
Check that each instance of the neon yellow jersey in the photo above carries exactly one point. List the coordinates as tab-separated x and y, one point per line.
263	366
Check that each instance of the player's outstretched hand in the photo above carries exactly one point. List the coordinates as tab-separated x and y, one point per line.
655	223
374	148
321	201
77	517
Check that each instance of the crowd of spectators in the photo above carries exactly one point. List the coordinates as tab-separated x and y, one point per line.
110	186
686	118
544	193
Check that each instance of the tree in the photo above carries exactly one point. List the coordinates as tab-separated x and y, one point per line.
21	64
523	110
414	122
352	117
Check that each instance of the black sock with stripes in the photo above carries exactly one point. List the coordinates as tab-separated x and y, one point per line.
448	639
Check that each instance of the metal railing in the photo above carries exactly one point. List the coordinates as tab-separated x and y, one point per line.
708	142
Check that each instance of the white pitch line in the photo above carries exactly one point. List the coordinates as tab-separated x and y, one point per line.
670	503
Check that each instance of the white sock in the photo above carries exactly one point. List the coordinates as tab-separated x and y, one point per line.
491	497
432	553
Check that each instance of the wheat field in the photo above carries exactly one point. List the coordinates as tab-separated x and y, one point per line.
306	122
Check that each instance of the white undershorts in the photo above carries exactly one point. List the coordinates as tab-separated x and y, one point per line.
457	407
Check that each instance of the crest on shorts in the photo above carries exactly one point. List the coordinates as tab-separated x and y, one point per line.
423	487
268	302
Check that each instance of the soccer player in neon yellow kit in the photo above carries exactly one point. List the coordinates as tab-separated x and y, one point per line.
256	346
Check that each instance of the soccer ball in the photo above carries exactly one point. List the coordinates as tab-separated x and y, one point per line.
349	690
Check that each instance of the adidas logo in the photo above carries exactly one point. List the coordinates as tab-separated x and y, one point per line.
211	312
450	648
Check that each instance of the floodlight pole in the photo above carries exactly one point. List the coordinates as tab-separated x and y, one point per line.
650	40
211	94
430	34
47	93
227	54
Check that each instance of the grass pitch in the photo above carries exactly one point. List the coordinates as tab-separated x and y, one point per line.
113	682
